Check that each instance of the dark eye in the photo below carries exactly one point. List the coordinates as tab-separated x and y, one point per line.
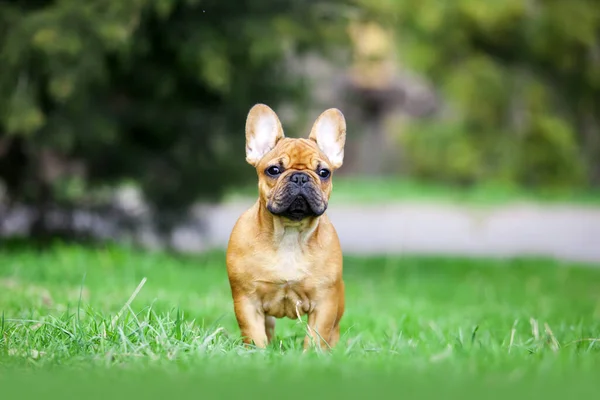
273	171
324	173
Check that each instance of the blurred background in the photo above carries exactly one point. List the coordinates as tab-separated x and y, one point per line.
473	127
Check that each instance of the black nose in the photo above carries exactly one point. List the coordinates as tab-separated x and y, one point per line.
299	178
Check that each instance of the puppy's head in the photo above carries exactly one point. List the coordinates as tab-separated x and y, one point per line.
294	175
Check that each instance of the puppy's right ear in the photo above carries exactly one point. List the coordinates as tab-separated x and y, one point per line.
263	131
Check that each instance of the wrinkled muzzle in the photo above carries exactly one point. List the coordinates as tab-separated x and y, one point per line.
297	200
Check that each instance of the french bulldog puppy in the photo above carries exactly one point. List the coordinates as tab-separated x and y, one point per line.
284	257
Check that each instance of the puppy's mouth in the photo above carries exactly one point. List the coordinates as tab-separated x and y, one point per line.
299	209
296	208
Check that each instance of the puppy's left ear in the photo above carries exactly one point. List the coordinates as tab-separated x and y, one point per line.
329	131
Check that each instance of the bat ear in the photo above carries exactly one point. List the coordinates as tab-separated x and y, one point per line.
329	132
263	131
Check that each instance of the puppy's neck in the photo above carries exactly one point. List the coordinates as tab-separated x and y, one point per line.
284	230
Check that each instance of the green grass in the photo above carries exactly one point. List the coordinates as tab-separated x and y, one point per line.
387	190
429	326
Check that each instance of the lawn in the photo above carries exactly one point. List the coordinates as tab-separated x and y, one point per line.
103	321
392	190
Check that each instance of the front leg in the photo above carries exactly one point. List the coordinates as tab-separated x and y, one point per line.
251	321
270	328
323	321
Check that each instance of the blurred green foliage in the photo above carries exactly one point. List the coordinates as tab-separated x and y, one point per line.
148	91
522	81
155	92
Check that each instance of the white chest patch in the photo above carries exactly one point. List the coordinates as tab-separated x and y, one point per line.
291	264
